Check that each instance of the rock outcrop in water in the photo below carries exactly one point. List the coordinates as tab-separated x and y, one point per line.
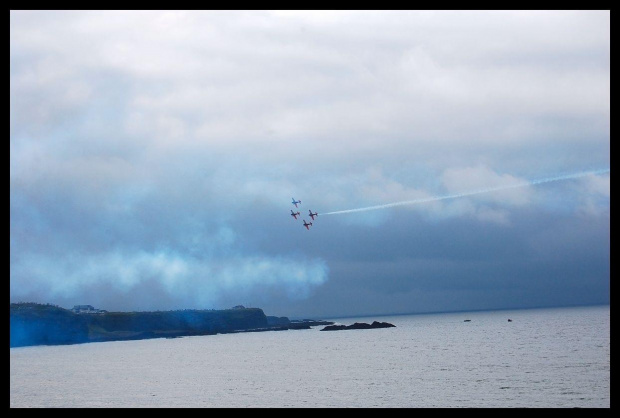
39	324
359	325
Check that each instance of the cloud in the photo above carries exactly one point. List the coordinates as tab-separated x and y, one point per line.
594	199
486	207
156	147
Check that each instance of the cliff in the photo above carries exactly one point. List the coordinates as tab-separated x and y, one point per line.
37	324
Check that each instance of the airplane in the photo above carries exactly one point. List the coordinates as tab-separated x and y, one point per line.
307	225
295	202
294	214
312	215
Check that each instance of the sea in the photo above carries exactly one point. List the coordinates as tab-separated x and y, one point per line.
541	358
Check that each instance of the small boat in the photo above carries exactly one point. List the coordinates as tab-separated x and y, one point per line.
467	320
509	320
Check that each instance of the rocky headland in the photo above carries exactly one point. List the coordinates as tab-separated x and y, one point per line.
46	324
359	325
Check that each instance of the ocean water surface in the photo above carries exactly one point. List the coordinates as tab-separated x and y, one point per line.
552	358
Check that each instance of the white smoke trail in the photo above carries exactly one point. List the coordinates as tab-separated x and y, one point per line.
471	193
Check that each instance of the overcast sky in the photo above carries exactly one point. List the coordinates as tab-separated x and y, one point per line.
154	156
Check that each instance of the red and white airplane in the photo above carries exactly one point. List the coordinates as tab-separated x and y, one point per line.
294	214
312	215
295	202
307	225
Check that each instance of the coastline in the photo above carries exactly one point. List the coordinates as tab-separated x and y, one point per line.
46	324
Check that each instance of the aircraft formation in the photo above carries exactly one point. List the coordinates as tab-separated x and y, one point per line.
296	214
